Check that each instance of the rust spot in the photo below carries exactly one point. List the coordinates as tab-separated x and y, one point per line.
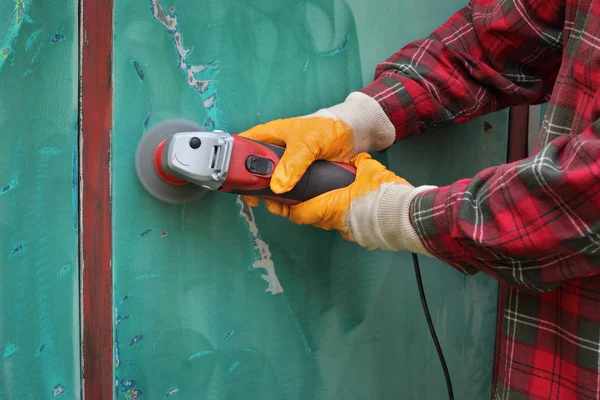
133	394
172	9
163	234
487	128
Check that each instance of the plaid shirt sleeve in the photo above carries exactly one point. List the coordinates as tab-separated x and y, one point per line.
533	223
488	56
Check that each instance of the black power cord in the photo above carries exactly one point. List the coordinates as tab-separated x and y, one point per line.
431	328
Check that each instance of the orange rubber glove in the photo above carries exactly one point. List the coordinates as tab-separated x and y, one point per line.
373	211
337	134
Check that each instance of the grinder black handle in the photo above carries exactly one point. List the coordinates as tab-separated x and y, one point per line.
321	177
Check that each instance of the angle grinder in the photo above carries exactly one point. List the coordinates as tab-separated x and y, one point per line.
177	162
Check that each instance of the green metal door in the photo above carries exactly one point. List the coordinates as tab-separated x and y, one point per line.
217	301
39	295
212	300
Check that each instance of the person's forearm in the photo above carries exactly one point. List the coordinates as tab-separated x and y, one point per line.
478	62
533	223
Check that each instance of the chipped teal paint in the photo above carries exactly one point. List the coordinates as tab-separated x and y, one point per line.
200	77
11	26
9	350
39	293
246	305
10	185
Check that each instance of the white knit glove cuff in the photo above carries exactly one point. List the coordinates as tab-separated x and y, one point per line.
381	220
371	127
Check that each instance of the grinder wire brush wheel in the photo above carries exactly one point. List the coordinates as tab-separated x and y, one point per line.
178	162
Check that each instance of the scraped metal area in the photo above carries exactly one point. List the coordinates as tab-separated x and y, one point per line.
216	300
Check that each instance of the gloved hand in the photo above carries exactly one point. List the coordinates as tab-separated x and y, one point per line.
337	134
373	211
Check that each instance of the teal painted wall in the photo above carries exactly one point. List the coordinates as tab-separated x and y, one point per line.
215	301
39	296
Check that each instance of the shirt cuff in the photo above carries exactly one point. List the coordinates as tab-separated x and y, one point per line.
433	226
381	219
395	93
394	218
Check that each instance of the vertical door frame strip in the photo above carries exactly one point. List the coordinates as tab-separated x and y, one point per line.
517	149
96	31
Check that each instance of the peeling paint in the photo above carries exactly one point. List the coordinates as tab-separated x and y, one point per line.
147	231
136	339
228	335
19	12
133	394
172	392
13	183
58	390
16	250
209	103
147	119
10	349
11	32
209	123
57	38
265	261
138	70
159	14
128	383
194	73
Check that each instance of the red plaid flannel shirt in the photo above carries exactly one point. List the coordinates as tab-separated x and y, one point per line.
532	224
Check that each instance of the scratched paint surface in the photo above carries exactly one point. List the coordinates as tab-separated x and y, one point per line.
39	315
217	301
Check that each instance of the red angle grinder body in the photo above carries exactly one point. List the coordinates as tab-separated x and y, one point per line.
177	162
